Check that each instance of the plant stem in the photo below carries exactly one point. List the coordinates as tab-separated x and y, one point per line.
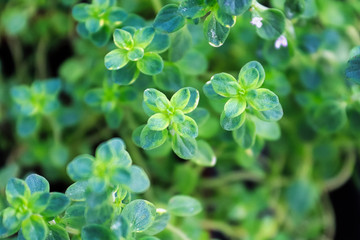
40	58
231	177
157	5
177	232
234	233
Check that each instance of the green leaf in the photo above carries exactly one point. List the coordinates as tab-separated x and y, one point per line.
193	62
249	82
39	201
5	232
120	226
193	101
294	8
234	107
152	96
180	99
328	117
34	228
267	130
37	183
245	135
10	219
169	19
81	11
249	78
230	124
215	32
116	59
150	64
150	139
74	216
170	79
204	156
188	128
353	69
193	8
113	151
126	75
123	39
144	36
273	24
184	206
161	220
117	15
93	24
225	85
139	182
101	213
234	7
135	54
181	42
224	18
76	191
81	168
20	94
57	204
56	232
96	232
262	99
25	126
301	196
159	44
16	191
158	122
101	37
271	115
119	176
140	214
178	116
184	147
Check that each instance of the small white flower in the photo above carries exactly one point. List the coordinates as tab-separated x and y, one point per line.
257	21
281	41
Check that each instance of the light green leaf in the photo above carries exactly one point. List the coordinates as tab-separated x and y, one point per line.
204	156
234	7
81	11
140	214
123	39
193	8
39	201
139	182
193	101
230	124
144	36
225	85
150	64
188	128
113	151
81	167
181	42
158	122
273	24
5	232
126	75
180	99
135	54
57	232
262	99
57	204
17	191
215	32
37	183
170	79
150	139
184	147
178	116
101	213
119	176
96	232
76	191
234	107
184	206
267	130
169	19
116	59
252	65
34	228
10	219
151	96
93	24
161	220
224	18
245	135
249	78
271	115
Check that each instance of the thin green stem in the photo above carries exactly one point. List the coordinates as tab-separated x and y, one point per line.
233	232
177	232
230	178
